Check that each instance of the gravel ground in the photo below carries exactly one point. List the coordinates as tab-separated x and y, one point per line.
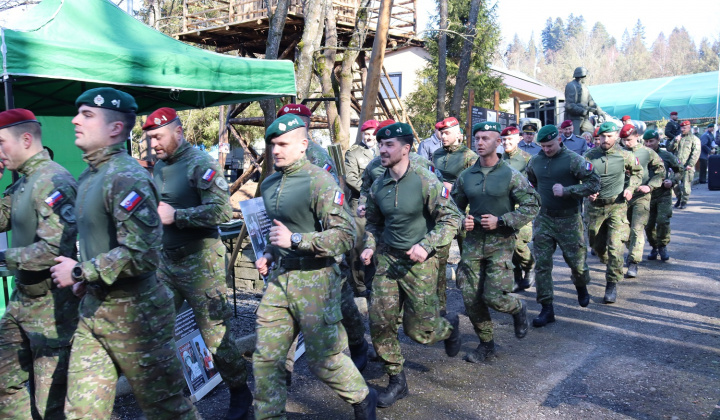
655	354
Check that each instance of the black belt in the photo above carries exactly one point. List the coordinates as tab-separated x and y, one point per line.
607	201
177	254
123	287
34	283
559	213
308	263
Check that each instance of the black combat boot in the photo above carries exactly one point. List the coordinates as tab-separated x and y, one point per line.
546	316
452	343
583	296
520	321
677	203
240	401
610	293
397	389
653	254
365	410
484	351
632	270
359	355
518	274
528	280
663	253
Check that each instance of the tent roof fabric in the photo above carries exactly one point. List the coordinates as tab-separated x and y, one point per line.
692	96
64	47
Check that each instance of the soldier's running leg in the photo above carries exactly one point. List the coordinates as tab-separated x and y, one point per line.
523	259
544	246
442	254
385	307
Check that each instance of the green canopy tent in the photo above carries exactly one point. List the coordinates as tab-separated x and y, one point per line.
692	96
64	47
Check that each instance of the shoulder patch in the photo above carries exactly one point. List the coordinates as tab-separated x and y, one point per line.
588	166
431	168
637	161
445	192
131	201
221	183
327	167
339	198
209	175
54	198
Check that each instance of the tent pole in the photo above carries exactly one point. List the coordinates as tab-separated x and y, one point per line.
9	99
717	100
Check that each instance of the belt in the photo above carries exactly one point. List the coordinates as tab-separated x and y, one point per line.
123	287
607	201
306	264
395	252
559	213
177	254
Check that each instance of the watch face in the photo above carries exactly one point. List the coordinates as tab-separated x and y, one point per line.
296	238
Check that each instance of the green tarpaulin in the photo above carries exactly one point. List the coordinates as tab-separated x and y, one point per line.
692	96
61	48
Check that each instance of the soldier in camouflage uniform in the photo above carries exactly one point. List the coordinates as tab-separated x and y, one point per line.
687	149
608	226
657	228
194	201
451	159
502	201
39	321
127	318
409	216
523	259
310	228
356	160
563	178
639	207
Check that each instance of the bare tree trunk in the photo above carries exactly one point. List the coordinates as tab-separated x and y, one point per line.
312	34
442	62
346	77
324	66
465	56
376	60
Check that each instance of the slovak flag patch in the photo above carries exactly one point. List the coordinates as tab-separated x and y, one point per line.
432	168
54	198
132	200
339	198
209	175
327	167
445	192
588	166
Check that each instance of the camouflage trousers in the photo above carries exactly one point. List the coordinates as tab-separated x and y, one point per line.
522	256
35	334
638	213
568	233
658	226
307	301
485	271
361	275
200	280
409	288
442	254
608	229
130	335
684	187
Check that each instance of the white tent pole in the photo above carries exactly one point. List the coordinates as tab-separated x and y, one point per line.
717	100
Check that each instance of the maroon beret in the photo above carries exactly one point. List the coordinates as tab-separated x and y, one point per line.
597	129
566	124
382	125
673	113
625	117
510	131
627	130
684	123
160	118
297	109
16	116
369	125
447	123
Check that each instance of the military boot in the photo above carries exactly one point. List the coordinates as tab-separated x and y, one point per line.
484	351
520	321
397	389
452	343
583	295
610	292
546	316
632	270
529	279
359	355
240	401
663	253
653	254
365	410
518	274
677	203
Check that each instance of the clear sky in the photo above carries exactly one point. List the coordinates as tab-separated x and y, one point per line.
527	16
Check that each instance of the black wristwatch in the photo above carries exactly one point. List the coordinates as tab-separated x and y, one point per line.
77	273
501	222
295	240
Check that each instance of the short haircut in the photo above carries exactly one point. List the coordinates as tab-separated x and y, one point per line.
128	120
31	127
407	139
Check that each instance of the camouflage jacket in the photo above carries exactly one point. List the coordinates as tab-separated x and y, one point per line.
452	160
319	157
119	228
653	167
193	183
415	209
374	169
39	208
612	165
357	159
672	172
308	201
517	159
687	150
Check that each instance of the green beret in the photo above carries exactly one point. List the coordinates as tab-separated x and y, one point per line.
282	125
651	134
607	127
108	98
547	133
394	130
711	125
486	126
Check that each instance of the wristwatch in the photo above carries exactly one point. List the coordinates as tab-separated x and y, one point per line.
295	240
501	222
77	273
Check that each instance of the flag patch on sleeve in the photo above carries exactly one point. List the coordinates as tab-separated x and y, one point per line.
588	166
54	198
130	201
445	192
432	168
637	161
339	198
209	175
327	167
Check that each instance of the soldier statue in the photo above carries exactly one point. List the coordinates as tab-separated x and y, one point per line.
579	103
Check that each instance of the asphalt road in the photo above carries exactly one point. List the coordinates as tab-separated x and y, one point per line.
655	354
